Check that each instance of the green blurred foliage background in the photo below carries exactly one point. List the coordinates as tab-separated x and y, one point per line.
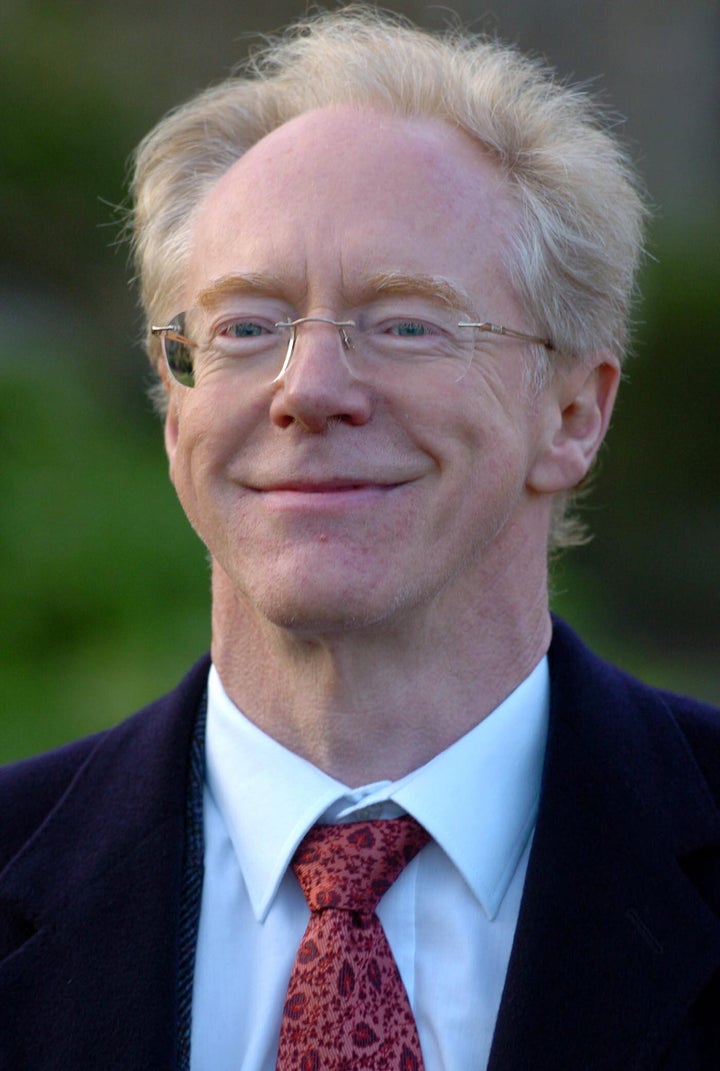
103	587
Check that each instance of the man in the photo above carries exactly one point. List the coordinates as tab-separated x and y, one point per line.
387	279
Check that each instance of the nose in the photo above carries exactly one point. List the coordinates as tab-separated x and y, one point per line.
316	385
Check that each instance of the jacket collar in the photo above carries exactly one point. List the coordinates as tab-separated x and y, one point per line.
614	941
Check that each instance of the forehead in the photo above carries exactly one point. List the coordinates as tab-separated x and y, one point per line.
353	190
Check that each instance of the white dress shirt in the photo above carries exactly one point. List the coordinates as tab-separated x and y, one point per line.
449	918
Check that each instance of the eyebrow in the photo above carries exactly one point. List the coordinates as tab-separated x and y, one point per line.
397	283
260	283
428	286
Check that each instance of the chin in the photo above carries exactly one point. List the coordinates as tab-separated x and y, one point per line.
305	616
304	598
306	604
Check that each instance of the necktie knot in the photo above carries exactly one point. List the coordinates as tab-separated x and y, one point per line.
346	1004
350	867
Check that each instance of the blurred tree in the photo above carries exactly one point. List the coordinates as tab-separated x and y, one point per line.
103	586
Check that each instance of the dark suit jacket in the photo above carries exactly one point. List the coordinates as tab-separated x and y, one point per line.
616	961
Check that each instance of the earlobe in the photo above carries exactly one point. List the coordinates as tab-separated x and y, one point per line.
579	406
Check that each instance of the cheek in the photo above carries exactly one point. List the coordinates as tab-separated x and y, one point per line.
491	448
202	436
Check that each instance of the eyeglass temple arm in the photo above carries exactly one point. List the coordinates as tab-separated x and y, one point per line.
498	329
172	331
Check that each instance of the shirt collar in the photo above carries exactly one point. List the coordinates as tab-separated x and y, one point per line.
478	798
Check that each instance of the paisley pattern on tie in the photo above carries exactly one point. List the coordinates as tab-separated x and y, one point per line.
346	1007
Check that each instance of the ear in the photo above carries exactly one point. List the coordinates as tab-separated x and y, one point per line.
171	423
577	404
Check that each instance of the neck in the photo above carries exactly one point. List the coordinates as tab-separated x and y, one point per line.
375	703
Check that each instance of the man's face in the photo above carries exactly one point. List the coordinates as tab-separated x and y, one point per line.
329	502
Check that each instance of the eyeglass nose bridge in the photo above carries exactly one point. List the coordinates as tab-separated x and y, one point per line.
292	325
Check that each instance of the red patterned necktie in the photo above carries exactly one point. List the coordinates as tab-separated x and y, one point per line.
346	1007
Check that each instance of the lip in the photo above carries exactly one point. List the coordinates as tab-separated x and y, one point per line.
324	494
321	487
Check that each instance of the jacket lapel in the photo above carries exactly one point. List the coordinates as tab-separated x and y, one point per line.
91	904
614	942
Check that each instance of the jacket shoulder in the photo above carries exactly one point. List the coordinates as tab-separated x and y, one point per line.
31	789
644	722
699	724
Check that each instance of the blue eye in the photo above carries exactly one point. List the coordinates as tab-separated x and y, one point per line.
410	329
244	329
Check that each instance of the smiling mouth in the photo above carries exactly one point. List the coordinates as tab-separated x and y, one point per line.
325	488
335	483
324	494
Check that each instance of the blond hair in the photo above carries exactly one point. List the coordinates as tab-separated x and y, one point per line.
574	248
